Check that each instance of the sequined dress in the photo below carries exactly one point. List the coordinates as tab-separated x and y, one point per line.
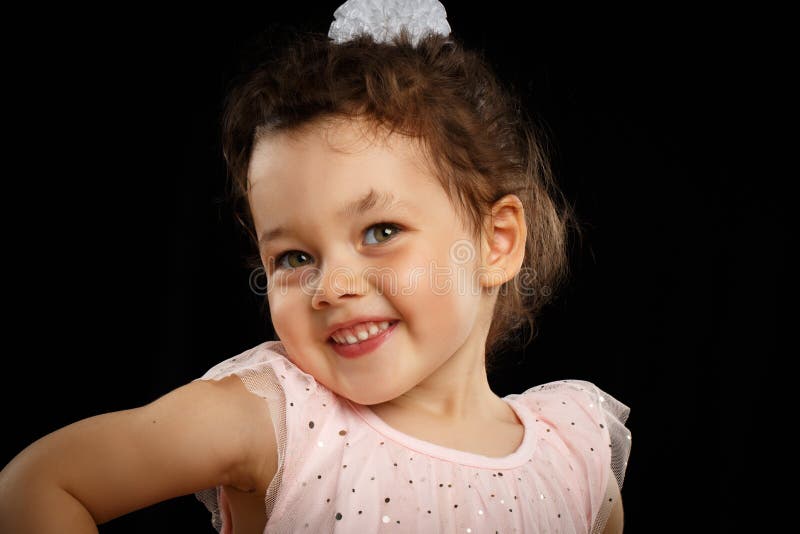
342	469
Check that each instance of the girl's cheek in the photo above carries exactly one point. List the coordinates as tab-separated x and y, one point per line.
281	307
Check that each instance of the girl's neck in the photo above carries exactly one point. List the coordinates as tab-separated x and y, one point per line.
457	393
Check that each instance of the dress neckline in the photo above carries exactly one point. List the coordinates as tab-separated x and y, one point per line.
523	453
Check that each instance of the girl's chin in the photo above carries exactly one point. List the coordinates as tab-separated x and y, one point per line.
368	400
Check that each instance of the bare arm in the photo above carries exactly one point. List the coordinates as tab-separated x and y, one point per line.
615	519
198	436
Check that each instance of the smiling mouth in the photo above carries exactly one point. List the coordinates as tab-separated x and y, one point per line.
348	339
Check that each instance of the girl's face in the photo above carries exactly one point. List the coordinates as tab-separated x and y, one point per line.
405	256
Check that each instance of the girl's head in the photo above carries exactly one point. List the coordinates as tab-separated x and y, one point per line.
317	124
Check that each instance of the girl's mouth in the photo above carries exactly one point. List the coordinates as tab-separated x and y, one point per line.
366	346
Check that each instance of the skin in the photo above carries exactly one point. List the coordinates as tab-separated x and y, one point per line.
432	368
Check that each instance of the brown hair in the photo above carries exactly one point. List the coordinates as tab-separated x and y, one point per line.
448	97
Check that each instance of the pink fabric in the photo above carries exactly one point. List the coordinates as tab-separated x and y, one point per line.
345	470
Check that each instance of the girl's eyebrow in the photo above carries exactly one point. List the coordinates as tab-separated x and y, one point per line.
353	208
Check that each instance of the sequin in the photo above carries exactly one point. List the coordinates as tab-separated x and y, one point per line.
311	424
338	516
320	444
480	512
386	519
344	432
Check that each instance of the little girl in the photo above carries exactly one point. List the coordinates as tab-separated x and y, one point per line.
372	411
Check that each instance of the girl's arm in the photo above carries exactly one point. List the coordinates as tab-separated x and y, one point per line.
201	435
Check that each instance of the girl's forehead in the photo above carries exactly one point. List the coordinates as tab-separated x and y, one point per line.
358	148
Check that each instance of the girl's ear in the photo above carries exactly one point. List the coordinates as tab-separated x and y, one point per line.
504	242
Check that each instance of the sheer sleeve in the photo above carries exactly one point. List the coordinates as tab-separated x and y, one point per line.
265	372
592	424
610	416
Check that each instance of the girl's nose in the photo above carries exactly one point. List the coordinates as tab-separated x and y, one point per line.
333	284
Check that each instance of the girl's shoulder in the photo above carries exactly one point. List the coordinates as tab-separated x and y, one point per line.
269	355
581	413
266	372
567	397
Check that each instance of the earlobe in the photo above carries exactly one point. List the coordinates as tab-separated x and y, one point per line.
504	242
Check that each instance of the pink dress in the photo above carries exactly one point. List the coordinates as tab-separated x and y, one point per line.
342	469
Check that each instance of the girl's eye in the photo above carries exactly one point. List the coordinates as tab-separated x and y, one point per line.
388	231
288	255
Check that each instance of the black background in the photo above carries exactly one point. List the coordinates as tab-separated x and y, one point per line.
123	265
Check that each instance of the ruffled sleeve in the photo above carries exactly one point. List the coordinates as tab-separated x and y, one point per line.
266	372
591	426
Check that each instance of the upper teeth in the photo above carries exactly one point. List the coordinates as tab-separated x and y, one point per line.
359	332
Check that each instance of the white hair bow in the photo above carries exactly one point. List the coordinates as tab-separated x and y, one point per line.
382	19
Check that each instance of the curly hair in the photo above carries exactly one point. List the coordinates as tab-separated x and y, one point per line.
480	143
